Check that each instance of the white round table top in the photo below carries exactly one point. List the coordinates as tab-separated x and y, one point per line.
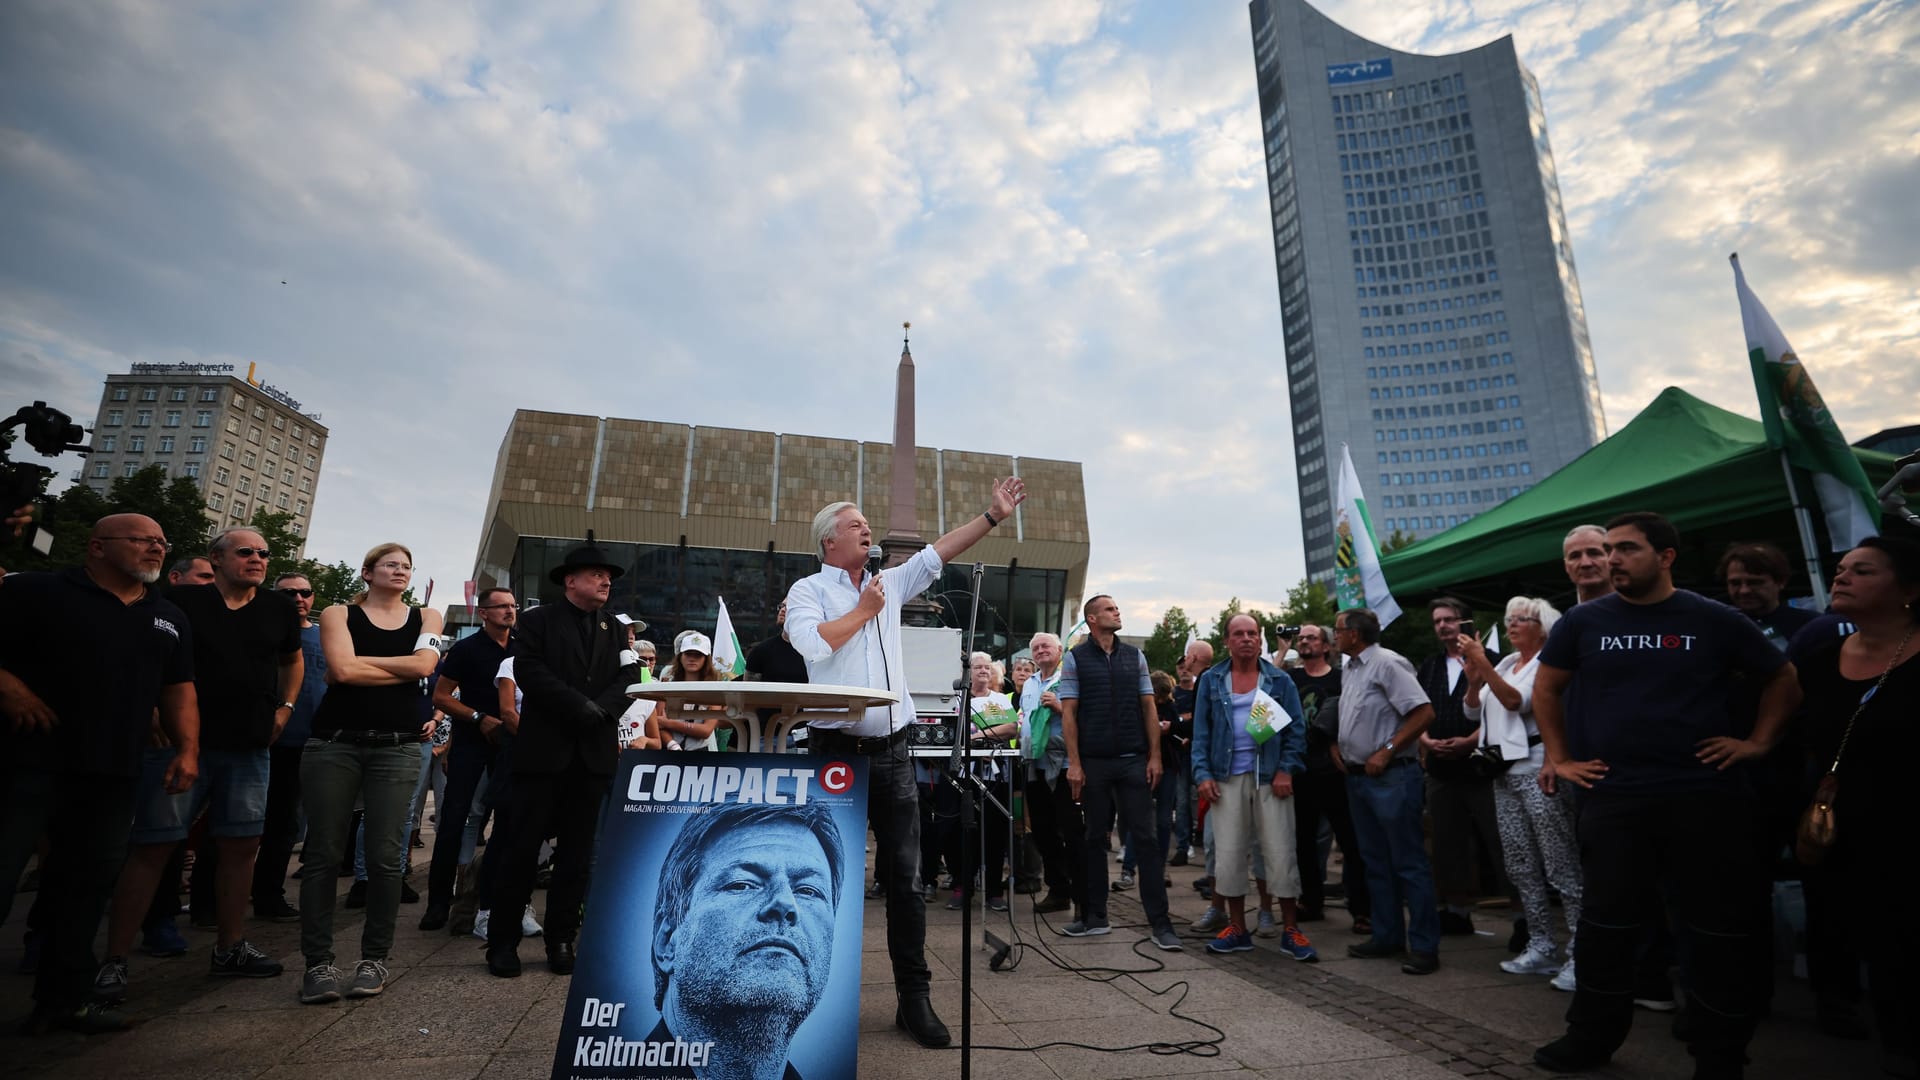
764	695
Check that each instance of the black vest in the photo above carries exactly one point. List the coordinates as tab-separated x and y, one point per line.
1108	716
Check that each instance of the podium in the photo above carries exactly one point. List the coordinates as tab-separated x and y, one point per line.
794	703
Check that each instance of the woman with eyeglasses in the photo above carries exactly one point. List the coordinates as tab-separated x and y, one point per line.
365	747
1536	829
1862	697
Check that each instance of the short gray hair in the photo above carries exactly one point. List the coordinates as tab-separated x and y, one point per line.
823	523
1036	639
223	539
1578	529
1537	608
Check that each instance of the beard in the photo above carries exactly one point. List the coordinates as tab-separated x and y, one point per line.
147	577
791	989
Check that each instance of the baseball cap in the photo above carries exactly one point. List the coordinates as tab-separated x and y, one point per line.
693	641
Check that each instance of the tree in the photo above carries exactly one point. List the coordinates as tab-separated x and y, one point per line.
1308	602
1168	640
332	584
175	504
1397	541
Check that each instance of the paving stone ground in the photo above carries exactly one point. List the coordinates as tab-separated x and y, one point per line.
1190	1013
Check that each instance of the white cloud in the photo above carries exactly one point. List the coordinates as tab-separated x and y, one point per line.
615	208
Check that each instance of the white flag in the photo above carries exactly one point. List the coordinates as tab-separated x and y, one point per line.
1357	578
728	657
1493	638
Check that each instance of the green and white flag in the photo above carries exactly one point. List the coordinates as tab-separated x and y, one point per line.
1798	422
728	656
1357	578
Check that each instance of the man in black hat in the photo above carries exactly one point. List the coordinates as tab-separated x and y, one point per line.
567	660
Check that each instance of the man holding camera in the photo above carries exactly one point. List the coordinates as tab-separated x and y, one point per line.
1465	836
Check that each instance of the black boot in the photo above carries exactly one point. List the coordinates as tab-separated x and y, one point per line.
915	1016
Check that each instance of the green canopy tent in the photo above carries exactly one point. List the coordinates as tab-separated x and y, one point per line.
1709	471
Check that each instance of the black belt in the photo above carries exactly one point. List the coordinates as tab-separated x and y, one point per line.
374	738
831	739
1533	740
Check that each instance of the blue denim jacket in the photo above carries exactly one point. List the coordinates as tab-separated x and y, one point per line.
1213	726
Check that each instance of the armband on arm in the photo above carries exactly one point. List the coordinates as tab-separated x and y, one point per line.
427	641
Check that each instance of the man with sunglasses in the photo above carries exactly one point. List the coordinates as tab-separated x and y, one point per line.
248	669
465	692
283	785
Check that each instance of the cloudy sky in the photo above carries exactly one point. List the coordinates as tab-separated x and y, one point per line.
720	213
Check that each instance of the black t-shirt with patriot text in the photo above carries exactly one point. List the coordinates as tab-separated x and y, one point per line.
1650	682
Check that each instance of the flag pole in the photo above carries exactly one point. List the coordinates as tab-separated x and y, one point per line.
1808	548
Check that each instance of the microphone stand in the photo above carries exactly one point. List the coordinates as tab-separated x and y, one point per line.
965	783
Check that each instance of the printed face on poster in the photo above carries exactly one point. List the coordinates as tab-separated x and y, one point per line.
722	936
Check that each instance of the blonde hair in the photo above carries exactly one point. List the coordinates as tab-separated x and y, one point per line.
379	552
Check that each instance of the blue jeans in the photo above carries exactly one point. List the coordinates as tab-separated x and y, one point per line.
1387	812
231	788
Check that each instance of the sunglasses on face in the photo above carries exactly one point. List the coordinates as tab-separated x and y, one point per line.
250	552
302	593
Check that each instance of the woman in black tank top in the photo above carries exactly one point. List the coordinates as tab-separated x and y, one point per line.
365	747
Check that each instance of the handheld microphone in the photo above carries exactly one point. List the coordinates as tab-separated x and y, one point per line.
874	557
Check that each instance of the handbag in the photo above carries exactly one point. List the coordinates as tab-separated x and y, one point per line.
1818	829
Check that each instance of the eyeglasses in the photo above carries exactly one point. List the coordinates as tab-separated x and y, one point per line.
499	607
387	565
302	593
1516	620
145	541
250	552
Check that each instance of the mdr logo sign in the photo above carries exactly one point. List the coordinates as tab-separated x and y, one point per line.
722	934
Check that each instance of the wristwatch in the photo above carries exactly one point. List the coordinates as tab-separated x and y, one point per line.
992	522
476	716
1388	747
286	705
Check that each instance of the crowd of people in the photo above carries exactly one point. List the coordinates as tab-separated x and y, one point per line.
1649	761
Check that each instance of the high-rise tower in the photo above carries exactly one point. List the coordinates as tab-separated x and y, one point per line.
1428	296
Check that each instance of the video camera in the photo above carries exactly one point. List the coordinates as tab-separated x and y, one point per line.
51	433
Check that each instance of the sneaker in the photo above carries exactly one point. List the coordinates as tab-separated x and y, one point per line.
1126	880
277	910
996	903
110	982
1266	927
480	924
954	903
369	978
1166	939
1086	928
1535	961
1232	939
1295	944
876	891
244	960
357	895
321	985
1564	981
530	926
163	939
1420	963
92	1018
1211	922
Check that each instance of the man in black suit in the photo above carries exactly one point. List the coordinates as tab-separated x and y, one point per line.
568	664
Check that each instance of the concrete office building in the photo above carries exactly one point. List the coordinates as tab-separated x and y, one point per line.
247	444
693	514
1428	297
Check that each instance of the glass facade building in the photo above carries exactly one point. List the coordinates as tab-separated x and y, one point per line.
1428	295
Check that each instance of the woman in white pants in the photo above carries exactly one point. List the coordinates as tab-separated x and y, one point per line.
1536	829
